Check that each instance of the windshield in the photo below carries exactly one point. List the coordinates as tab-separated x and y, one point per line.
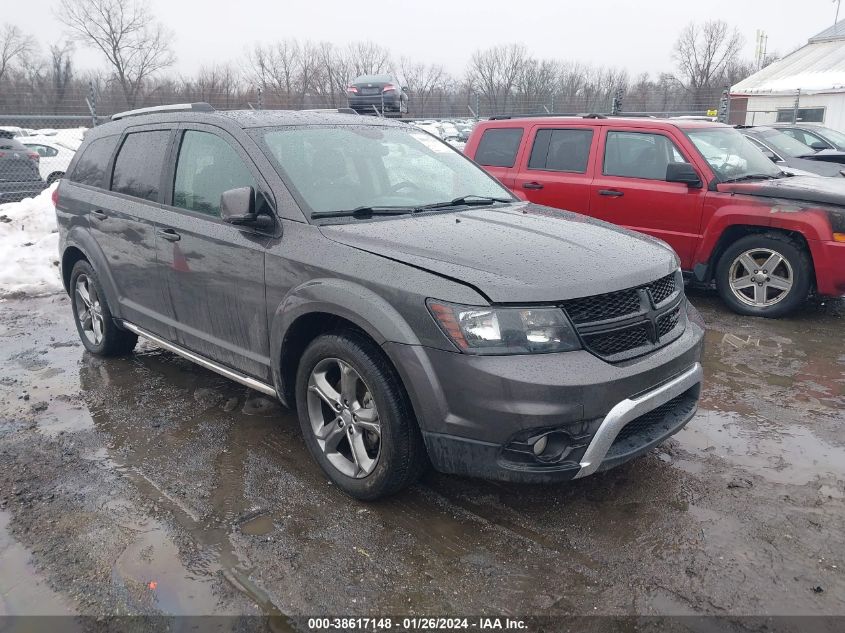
835	137
730	154
337	168
784	144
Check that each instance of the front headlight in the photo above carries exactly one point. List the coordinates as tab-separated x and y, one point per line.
482	330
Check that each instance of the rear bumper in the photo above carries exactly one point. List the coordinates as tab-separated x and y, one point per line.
15	191
482	415
361	102
829	262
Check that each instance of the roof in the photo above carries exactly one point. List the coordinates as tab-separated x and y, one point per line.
588	121
818	66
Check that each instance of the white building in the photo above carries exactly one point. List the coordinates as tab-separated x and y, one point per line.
817	70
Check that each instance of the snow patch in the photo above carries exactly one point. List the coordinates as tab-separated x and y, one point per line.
29	245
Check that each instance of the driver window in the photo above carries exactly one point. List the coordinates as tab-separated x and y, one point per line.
639	155
207	167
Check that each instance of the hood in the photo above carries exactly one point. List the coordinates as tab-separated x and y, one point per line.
828	191
828	155
820	167
522	253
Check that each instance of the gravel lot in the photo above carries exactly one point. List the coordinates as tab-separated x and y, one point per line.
147	485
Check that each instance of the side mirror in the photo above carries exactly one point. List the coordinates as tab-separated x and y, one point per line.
683	173
770	155
819	145
404	88
237	206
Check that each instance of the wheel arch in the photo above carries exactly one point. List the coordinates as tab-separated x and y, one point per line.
80	245
706	271
323	305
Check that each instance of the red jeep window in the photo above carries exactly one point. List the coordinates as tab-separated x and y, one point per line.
639	155
498	147
561	150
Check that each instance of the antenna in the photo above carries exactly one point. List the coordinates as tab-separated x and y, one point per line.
762	45
836	2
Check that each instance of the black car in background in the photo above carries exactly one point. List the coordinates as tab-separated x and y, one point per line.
816	136
373	94
19	177
785	150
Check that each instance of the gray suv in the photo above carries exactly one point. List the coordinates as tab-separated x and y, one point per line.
361	270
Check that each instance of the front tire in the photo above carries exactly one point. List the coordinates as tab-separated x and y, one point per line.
355	417
766	275
97	329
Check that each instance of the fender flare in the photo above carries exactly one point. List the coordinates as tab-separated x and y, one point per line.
341	298
79	238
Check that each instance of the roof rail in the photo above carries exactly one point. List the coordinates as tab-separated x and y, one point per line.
200	106
581	115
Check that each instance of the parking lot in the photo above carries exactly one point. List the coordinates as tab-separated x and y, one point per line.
149	485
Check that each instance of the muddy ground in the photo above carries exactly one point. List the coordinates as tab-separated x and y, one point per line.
148	485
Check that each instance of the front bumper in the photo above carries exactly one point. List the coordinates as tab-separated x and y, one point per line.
481	415
829	262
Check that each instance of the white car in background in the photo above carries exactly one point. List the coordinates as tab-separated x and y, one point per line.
55	153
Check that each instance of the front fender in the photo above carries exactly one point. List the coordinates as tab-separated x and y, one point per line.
345	299
80	238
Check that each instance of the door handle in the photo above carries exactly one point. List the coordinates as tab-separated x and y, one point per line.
611	193
532	185
170	235
99	214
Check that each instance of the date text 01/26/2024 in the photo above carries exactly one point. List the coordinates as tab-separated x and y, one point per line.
415	624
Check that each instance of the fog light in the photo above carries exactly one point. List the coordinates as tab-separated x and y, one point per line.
540	445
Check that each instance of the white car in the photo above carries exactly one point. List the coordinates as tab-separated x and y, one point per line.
55	155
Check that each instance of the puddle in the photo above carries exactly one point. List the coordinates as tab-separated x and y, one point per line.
259	526
781	453
22	590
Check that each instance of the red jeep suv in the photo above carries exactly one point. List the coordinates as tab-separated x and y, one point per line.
766	238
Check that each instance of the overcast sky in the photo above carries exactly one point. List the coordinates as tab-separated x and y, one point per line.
637	35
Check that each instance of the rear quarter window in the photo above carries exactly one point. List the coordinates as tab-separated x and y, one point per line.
91	167
498	147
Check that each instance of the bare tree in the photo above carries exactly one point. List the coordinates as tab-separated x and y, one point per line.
424	81
61	69
367	58
14	46
125	31
703	54
494	72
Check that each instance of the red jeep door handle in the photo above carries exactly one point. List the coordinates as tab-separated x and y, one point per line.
532	185
611	193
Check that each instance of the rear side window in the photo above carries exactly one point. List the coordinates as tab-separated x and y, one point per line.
561	150
44	151
498	147
92	165
137	168
207	167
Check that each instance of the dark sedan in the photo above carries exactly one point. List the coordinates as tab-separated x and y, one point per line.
816	136
19	177
377	94
785	150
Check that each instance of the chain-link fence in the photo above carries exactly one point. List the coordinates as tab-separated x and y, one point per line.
39	137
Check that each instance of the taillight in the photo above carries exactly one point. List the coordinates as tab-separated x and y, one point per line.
55	197
351	89
34	156
388	87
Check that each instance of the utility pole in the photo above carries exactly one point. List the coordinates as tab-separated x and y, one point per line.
836	18
760	52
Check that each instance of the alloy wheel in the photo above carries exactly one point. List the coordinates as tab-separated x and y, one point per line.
344	417
761	277
89	311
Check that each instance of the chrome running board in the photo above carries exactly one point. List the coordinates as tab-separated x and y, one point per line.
231	374
629	409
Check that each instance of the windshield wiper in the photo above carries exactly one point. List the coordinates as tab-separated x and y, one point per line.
755	177
471	199
362	212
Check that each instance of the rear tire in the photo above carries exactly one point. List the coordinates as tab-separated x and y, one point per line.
99	333
766	275
386	452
